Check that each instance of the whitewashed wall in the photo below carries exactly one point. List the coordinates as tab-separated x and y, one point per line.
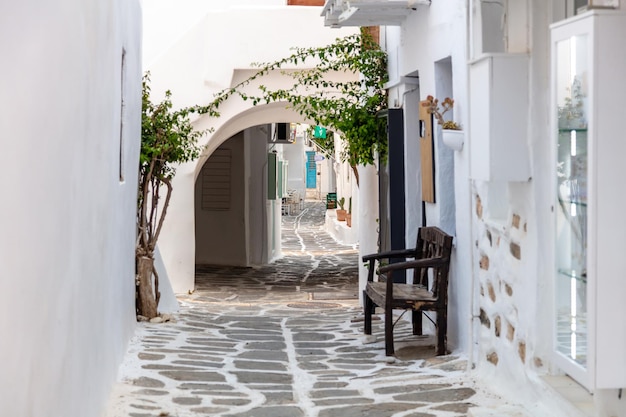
67	222
502	271
428	37
497	239
199	64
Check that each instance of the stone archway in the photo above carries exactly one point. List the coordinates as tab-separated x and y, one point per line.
252	221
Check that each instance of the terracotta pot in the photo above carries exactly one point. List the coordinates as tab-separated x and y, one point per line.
341	215
349	219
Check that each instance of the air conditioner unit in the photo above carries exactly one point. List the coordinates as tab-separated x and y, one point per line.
282	134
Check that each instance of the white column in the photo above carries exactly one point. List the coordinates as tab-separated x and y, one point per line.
367	219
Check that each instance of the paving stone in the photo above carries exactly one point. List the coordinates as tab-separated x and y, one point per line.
455	407
257	337
312	336
410	388
191	376
321	353
278	397
150	356
322	385
274	387
199	364
211	387
438	396
231	401
187	400
371	410
342	401
144	381
263	377
208	411
327	393
266	346
275	411
145	407
164	366
265	355
207	357
258	365
312	365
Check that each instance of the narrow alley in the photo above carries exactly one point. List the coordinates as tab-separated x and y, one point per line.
285	340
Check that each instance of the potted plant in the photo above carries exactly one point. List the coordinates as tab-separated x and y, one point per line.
453	136
341	213
349	213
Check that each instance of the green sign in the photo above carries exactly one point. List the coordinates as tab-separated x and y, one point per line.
319	132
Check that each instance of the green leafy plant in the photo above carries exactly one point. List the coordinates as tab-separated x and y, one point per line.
438	112
167	138
322	95
341	202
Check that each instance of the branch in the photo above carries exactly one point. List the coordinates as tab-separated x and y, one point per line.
168	184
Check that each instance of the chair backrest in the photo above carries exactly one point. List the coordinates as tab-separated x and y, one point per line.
432	242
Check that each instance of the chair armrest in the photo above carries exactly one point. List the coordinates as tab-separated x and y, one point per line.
418	263
398	253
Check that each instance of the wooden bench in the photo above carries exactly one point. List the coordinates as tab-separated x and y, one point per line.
430	261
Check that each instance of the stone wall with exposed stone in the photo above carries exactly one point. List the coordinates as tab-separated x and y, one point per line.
506	331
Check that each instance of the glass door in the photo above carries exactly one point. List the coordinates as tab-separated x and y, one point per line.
571	342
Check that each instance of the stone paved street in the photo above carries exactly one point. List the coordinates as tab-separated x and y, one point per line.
285	340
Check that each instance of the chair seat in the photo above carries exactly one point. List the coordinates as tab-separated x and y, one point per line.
404	295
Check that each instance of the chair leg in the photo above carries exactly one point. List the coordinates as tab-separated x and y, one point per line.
442	330
368	308
389	351
417	322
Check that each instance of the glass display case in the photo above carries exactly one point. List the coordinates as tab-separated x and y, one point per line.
571	190
588	105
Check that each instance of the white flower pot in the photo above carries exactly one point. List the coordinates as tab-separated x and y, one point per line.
453	139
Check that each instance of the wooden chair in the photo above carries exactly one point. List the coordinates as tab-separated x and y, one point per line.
429	291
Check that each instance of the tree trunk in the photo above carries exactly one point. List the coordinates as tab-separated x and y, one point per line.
147	302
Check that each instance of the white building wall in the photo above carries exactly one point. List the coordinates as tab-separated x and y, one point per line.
255	146
493	221
429	36
68	222
294	154
502	268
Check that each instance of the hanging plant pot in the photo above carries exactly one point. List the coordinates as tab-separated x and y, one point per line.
453	139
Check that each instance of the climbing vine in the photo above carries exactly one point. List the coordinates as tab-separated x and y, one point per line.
321	94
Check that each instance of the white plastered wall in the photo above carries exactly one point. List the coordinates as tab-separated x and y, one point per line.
501	262
428	36
67	221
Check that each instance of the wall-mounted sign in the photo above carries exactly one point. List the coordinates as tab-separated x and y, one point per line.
319	132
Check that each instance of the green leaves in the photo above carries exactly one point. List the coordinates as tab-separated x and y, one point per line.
167	136
323	95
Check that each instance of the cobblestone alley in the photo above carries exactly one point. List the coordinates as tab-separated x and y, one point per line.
285	340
